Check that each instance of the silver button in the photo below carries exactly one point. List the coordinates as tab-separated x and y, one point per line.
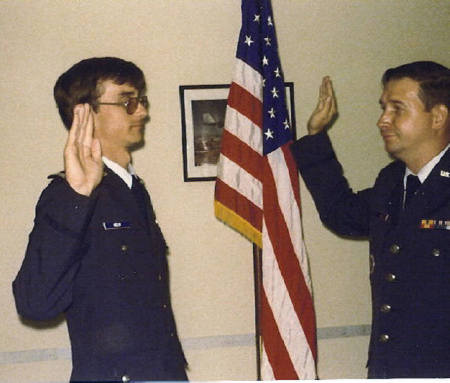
384	338
394	249
124	248
385	308
436	252
391	277
125	378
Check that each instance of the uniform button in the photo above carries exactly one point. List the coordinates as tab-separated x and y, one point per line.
125	378
164	306
391	277
436	252
384	338
385	308
124	248
172	334
159	277
394	249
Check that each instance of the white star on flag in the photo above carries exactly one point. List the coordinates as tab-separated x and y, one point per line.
268	134
248	40
274	92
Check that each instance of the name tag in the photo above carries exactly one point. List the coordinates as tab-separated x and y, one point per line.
116	225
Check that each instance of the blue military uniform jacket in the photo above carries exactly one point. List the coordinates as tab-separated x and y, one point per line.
102	261
409	251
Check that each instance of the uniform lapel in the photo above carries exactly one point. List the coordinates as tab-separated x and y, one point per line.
148	204
153	226
389	195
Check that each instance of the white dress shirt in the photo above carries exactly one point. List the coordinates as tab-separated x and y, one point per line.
124	174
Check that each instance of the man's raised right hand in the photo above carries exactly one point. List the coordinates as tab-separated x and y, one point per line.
325	110
82	154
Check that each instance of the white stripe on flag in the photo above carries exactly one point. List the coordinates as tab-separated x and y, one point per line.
266	367
244	129
248	78
288	323
239	179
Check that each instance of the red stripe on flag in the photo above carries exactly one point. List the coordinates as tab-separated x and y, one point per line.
287	260
276	351
242	154
235	201
245	103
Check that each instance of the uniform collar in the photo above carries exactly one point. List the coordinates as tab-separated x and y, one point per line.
125	174
426	170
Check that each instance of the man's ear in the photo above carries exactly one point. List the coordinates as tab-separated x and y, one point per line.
440	116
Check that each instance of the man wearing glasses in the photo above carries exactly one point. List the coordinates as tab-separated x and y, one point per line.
96	252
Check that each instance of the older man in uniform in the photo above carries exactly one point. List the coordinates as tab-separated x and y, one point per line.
408	229
96	252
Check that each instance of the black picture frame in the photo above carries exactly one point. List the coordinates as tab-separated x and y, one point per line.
202	120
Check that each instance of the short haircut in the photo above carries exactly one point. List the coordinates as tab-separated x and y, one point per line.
82	83
433	80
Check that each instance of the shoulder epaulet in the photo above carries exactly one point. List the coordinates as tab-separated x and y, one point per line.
61	175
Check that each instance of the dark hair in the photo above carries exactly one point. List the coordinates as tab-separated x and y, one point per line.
433	79
82	83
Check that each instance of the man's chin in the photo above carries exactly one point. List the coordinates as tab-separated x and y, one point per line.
391	150
138	144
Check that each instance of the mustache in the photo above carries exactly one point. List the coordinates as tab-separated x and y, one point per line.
142	122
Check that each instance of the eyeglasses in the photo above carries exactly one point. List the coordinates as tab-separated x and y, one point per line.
130	105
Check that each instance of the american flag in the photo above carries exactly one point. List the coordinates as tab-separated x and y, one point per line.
257	193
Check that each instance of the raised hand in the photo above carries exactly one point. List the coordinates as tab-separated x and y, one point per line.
325	110
82	154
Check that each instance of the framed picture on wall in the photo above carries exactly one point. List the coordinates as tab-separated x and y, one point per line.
202	120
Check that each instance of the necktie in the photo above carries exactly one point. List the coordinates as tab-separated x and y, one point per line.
412	184
139	195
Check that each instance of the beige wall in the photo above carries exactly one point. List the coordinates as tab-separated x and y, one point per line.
182	42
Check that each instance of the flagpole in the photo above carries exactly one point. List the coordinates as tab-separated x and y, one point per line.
257	276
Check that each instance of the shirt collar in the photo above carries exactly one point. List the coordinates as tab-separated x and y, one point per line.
426	170
125	174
